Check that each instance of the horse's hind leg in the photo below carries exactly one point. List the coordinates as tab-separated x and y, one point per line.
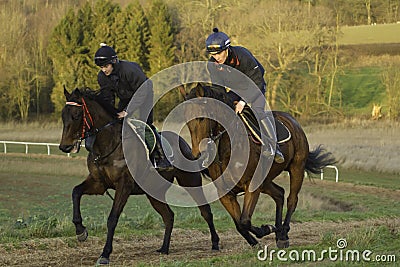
194	180
277	193
296	181
90	187
206	213
168	218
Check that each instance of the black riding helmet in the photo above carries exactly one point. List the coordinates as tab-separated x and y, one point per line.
217	42
105	55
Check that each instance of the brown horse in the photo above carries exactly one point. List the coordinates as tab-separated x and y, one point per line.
298	159
82	117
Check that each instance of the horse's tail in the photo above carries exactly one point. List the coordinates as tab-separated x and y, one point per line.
318	159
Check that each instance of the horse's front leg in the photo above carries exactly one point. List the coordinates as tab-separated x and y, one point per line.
231	204
91	187
122	193
277	193
249	204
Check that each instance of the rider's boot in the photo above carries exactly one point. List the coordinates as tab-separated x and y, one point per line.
161	163
268	150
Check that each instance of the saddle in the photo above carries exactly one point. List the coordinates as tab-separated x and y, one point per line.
282	132
148	138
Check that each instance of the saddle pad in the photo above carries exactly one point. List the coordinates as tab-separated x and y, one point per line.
149	136
282	132
144	132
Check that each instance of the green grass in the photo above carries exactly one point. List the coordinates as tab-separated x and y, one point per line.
35	193
378	179
381	240
361	88
35	202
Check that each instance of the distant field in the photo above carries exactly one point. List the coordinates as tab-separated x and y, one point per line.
370	34
359	144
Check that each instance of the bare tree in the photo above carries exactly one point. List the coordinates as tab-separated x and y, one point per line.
367	4
291	33
391	80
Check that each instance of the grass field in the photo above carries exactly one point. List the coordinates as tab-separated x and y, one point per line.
36	209
370	34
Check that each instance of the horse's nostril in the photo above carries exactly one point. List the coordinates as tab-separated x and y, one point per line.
65	148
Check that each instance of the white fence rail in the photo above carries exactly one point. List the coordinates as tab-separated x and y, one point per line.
28	144
48	145
332	167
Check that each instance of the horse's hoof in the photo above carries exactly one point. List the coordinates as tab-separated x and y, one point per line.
254	244
258	246
82	237
282	243
215	247
102	261
163	251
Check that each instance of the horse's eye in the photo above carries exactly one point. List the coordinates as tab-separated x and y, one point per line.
76	115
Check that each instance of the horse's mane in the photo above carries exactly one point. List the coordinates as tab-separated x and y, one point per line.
89	93
96	96
213	91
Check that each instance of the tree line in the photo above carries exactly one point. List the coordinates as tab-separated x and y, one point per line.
49	44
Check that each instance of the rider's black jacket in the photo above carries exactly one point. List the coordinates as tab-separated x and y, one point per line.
124	82
243	60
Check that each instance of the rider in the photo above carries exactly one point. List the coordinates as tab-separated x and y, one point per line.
218	45
122	79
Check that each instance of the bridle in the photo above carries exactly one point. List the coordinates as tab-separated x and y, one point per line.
88	129
87	118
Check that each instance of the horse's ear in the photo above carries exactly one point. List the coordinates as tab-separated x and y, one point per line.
182	90
77	92
66	93
199	90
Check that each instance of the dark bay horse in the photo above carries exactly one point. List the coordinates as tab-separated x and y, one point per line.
83	116
298	159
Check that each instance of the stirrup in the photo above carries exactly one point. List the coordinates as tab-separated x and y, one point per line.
279	158
162	164
267	151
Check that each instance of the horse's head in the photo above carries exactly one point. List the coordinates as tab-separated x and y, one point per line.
81	116
199	114
72	117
